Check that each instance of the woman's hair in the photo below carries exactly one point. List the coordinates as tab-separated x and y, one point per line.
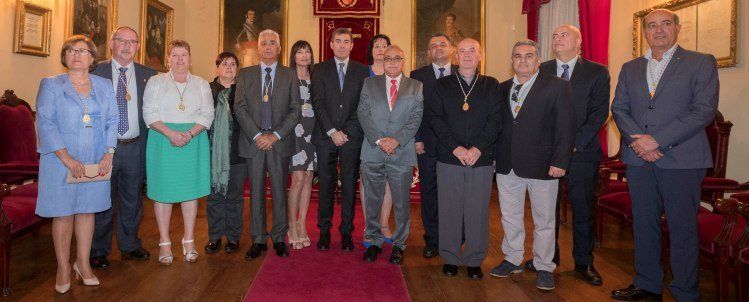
178	43
301	44
371	45
72	40
224	56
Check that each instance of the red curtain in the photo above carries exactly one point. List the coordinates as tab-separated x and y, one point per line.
531	8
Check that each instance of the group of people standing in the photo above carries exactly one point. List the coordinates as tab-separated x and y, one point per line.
189	138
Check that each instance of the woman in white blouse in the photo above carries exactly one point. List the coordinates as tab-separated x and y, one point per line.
178	107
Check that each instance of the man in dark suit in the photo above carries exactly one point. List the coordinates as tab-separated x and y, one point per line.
591	85
337	84
663	102
466	120
440	51
268	107
128	166
533	152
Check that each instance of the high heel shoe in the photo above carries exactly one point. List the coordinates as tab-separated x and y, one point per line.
61	289
294	244
78	276
191	256
165	260
306	242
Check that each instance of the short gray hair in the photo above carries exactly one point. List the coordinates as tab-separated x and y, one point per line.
526	42
117	30
676	17
271	32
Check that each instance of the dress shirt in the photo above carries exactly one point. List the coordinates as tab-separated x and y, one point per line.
571	65
161	101
132	105
656	68
522	93
337	68
437	70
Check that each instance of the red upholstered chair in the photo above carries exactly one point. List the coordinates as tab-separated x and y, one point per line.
716	183
741	261
18	137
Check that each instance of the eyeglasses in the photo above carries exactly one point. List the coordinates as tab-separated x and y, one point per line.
122	41
393	59
80	51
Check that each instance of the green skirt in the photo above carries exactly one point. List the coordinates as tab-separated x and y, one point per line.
177	174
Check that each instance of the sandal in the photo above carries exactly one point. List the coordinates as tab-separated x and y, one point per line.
165	260
306	242
191	256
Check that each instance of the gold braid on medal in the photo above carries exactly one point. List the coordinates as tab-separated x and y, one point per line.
465	95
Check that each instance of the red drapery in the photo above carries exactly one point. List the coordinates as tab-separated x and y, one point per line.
595	20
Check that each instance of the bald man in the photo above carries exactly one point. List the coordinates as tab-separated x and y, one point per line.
591	87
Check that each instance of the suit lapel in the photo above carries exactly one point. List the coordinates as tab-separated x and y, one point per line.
530	98
276	84
107	72
669	73
578	71
642	71
347	77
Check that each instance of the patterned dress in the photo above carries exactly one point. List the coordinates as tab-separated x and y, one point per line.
304	158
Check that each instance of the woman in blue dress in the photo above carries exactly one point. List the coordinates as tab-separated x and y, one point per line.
77	119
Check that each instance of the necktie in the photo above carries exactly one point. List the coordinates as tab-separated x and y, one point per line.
566	72
122	102
341	75
442	72
393	93
265	110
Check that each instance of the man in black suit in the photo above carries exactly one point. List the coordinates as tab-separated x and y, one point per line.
440	51
129	163
337	84
533	152
591	85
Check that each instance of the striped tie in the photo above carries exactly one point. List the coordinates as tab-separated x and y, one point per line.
122	102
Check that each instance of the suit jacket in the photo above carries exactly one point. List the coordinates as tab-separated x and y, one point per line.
591	89
378	121
425	135
478	127
336	108
543	132
683	105
286	104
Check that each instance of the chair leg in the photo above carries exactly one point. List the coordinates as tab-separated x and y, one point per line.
721	272
5	270
742	283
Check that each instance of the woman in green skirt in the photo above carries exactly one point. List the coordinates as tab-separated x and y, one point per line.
178	107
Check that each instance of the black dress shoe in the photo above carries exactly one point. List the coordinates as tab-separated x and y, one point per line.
255	251
213	247
396	257
371	254
231	246
431	252
589	274
528	265
474	272
281	249
99	262
450	270
347	244
634	293
138	254
324	243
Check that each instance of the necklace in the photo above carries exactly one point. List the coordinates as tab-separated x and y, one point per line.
181	106
655	76
465	95
86	117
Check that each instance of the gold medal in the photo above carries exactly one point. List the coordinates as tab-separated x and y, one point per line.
127	96
86	118
465	106
181	106
517	108
265	98
305	106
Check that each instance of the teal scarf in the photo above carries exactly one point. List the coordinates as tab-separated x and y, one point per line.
221	144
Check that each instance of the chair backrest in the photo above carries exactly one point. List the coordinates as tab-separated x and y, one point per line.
718	133
17	130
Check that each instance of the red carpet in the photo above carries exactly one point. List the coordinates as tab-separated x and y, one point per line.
312	275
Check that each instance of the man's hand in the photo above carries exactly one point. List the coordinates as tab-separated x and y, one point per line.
389	145
339	138
264	142
644	143
652	156
462	154
472	156
556	172
419	148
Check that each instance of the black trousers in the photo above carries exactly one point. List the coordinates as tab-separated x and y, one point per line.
428	187
328	159
127	200
581	182
224	211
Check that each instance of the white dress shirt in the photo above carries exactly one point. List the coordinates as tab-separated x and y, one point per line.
571	64
161	101
437	70
132	105
656	68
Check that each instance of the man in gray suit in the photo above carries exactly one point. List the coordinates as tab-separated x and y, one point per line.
268	107
663	102
390	111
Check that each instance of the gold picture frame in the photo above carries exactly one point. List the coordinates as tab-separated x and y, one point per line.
95	19
708	26
33	29
273	23
420	35
156	29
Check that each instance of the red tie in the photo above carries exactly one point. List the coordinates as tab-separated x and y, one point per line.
393	93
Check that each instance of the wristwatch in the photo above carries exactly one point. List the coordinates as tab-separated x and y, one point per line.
110	150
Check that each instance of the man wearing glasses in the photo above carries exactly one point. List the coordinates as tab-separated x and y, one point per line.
128	168
390	119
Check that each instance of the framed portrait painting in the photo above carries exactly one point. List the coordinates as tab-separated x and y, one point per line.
240	22
32	29
457	19
157	20
95	19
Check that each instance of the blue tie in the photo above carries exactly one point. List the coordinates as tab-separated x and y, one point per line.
122	102
265	110
341	75
442	72
566	72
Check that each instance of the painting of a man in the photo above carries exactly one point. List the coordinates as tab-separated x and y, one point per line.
243	20
456	19
247	41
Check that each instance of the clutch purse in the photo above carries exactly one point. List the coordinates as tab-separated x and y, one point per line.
90	173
